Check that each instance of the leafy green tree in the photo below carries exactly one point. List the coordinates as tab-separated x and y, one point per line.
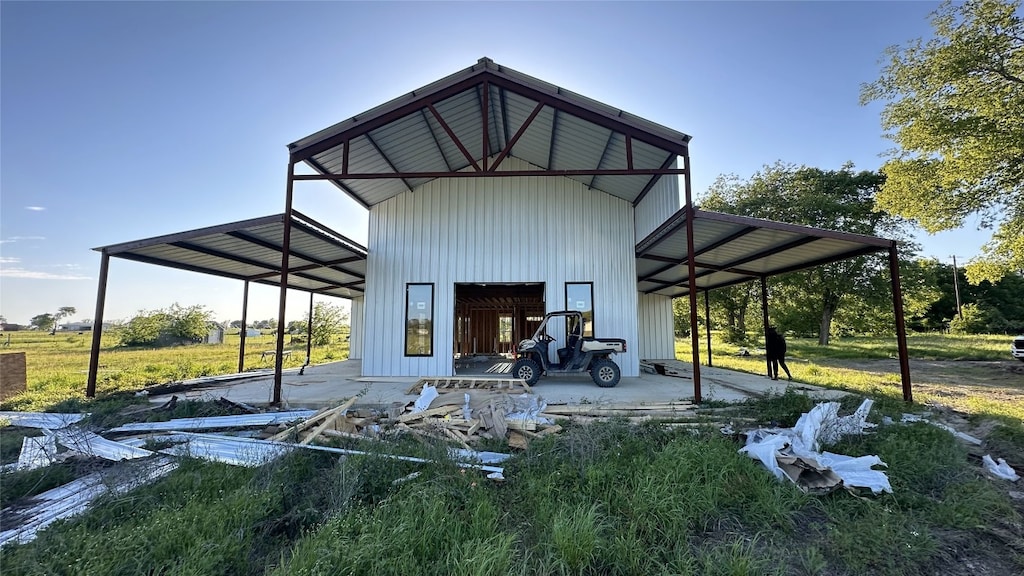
297	326
62	312
955	108
175	325
328	320
43	321
832	199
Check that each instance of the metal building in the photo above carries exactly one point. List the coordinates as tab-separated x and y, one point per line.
494	197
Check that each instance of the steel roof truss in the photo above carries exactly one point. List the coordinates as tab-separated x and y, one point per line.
387	160
515	138
270	245
451	134
440	150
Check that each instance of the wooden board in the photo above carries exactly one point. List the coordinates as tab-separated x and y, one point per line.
463	383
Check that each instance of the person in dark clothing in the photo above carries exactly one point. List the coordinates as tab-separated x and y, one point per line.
775	348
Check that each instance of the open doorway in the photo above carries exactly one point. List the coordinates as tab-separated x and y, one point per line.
490	319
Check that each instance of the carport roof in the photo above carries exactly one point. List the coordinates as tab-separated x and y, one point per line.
466	124
320	260
732	249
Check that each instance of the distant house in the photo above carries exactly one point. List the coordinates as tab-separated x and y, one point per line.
5	327
76	327
250	332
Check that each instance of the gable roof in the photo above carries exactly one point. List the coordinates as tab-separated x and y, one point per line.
466	124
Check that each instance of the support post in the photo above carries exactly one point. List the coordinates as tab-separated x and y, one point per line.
707	324
283	301
764	319
97	327
309	332
245	326
692	281
901	329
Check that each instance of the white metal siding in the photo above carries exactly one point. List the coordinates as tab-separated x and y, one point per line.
660	202
657	334
355	339
495	230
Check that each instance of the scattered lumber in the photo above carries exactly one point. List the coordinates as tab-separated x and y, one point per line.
463	383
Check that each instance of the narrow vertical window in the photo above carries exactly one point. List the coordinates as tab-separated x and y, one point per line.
579	296
419	319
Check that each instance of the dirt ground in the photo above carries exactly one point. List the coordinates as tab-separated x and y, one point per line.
1001	380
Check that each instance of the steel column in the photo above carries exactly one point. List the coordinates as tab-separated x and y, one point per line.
309	331
241	335
707	323
764	319
97	326
901	329
692	273
283	301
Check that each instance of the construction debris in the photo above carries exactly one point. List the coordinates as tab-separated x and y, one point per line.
212	422
76	496
50	420
463	383
91	444
1000	470
794	453
459	411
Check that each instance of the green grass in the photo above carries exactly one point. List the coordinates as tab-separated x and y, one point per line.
608	498
57	366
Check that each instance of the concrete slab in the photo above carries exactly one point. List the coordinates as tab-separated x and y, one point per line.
330	384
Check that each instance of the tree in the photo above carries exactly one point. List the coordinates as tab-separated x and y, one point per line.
833	199
296	327
328	320
43	321
236	324
62	312
175	325
955	108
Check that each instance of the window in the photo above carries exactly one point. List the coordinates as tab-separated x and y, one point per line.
419	319
505	329
579	296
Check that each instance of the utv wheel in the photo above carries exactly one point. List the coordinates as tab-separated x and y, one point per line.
605	373
527	370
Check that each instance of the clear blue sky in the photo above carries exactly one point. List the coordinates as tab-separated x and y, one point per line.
128	120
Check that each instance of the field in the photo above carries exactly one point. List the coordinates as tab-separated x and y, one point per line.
602	498
58	365
970	373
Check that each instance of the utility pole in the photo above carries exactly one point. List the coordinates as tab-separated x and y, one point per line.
956	290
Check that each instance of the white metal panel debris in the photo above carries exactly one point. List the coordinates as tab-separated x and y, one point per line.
92	444
36	452
50	420
793	453
211	422
75	497
244	450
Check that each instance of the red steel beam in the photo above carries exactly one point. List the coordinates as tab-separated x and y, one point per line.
97	326
451	134
901	328
583	172
520	132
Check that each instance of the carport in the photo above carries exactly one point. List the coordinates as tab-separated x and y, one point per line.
728	250
322	262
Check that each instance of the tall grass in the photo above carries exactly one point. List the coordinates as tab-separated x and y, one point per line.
609	498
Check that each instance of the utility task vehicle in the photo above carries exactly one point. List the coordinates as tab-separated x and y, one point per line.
580	354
